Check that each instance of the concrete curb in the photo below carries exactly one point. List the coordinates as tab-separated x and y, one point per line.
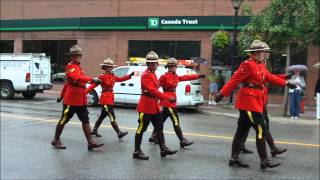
280	120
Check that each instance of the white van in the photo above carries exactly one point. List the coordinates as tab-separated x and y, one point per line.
26	73
129	92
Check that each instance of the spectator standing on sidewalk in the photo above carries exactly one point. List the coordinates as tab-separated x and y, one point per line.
213	87
317	97
221	80
295	95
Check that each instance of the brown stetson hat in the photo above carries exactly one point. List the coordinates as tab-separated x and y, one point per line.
152	57
75	50
107	62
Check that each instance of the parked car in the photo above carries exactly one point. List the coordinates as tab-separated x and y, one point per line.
26	73
129	92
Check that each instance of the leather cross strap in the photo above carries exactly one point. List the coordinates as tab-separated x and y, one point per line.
76	84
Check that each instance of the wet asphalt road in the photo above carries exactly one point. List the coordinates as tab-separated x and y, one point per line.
27	128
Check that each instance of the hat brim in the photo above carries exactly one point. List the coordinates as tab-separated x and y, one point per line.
152	60
251	50
111	65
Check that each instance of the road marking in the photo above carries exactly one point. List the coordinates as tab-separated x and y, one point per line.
167	132
41	102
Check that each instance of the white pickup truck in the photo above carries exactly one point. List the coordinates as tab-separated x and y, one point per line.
26	73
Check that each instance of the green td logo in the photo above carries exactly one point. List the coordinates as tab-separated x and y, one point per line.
153	23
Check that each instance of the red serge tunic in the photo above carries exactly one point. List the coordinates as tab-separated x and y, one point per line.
107	83
74	90
169	82
254	73
148	102
282	76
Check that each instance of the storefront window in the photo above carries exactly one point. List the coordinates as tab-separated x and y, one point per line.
165	49
6	46
56	49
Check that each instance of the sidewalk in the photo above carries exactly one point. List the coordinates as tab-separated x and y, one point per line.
275	112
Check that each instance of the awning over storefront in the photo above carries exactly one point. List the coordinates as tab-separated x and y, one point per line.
162	23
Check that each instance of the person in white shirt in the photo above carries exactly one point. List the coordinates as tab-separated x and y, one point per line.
295	95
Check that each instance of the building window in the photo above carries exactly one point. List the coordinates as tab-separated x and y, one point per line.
165	49
6	46
56	49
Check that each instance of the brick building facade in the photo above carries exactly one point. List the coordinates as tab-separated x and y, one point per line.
100	43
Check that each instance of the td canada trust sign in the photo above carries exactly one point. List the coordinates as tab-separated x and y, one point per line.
157	23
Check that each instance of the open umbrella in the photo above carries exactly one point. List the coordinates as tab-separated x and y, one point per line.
199	60
300	67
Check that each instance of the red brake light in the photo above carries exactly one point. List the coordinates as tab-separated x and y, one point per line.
28	76
188	89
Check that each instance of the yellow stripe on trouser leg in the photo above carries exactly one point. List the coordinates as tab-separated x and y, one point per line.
250	117
108	112
260	131
65	113
140	123
175	119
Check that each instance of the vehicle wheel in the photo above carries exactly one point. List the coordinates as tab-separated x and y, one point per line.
92	98
29	95
7	91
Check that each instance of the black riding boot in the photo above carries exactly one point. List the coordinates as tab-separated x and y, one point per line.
183	141
56	142
138	154
265	162
92	144
153	137
164	150
236	146
116	128
274	150
96	127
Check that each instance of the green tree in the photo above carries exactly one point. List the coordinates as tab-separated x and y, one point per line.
221	46
285	22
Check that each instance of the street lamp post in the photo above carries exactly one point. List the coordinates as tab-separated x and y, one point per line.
236	6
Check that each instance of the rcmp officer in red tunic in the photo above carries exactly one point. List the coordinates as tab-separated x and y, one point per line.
274	149
169	82
107	97
149	109
250	102
75	100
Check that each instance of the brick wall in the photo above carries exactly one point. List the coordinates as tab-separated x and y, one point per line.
313	74
35	9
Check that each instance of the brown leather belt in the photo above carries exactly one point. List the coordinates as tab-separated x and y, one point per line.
169	90
251	85
147	94
107	90
78	85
